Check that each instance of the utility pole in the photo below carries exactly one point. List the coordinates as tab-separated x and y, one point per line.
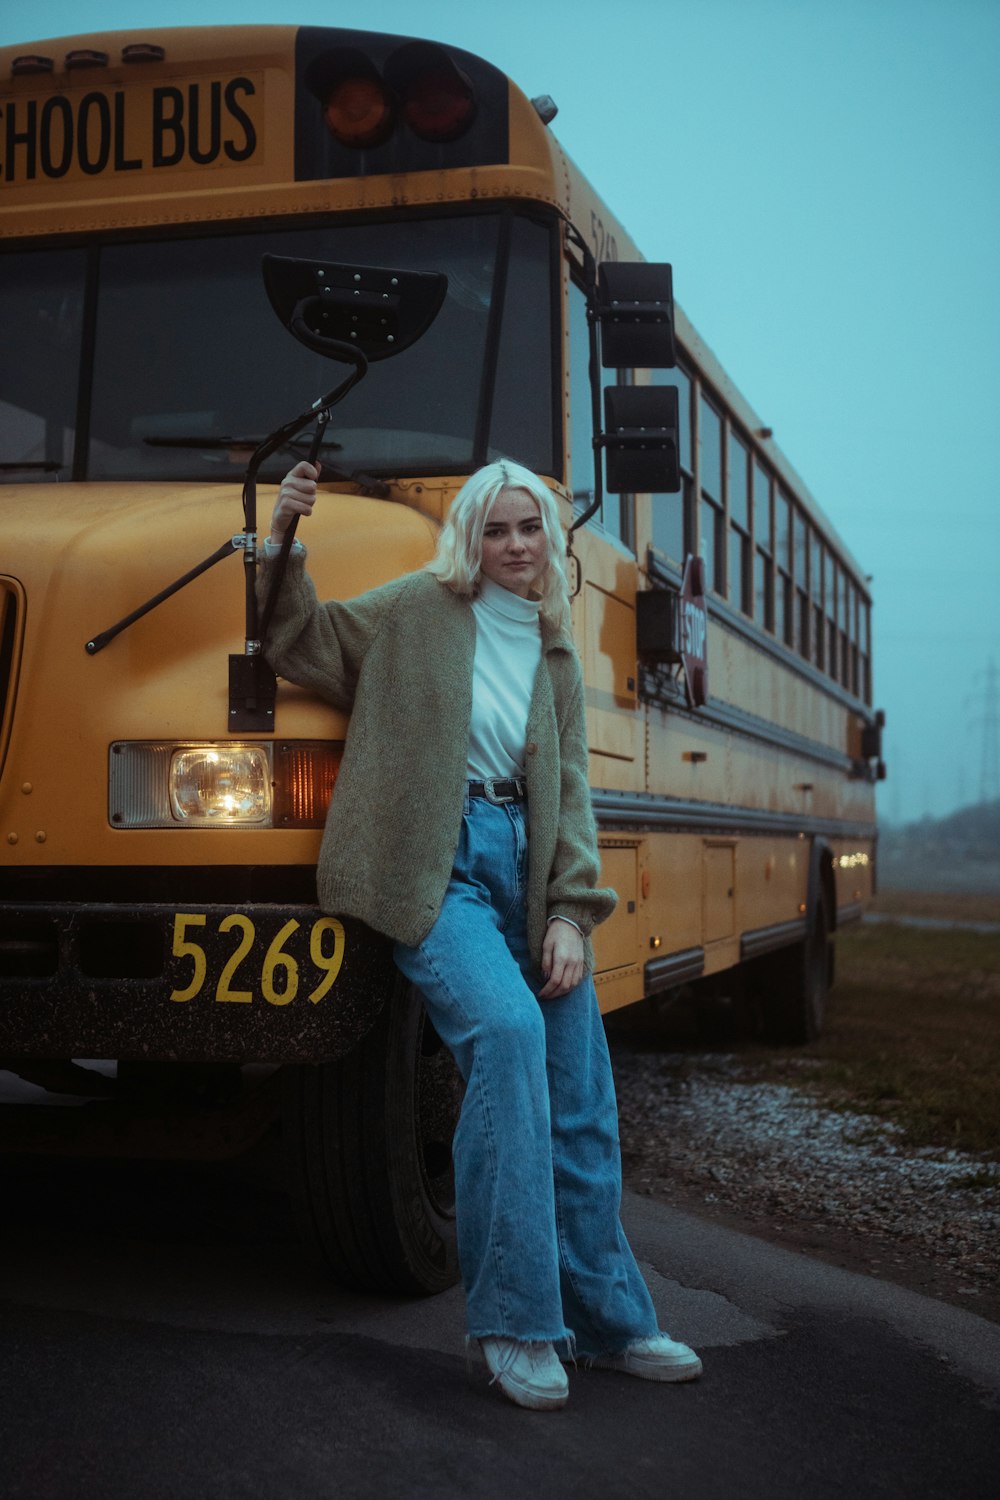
989	722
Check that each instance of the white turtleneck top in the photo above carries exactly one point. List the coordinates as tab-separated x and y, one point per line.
508	650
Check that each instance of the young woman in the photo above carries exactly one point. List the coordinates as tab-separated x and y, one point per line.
461	827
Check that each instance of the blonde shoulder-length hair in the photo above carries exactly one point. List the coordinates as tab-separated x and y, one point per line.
459	557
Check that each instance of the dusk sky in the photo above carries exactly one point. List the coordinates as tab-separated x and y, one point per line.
823	176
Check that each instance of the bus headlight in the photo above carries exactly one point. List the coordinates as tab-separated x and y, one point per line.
221	784
227	784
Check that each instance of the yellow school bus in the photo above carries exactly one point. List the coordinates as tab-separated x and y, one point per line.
160	813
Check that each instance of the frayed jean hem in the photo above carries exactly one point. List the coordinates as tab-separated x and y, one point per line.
564	1340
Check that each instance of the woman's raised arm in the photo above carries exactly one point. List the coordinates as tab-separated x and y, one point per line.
296	497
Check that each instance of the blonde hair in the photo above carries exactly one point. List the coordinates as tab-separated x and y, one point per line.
459	557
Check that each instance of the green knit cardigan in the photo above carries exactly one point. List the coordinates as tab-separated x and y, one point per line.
400	659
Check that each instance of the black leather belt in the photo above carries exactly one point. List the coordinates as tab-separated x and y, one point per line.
499	791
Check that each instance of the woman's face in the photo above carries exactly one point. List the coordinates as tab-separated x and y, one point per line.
515	549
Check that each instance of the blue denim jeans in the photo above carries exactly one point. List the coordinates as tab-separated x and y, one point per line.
537	1161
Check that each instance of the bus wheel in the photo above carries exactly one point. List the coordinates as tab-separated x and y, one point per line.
368	1142
794	985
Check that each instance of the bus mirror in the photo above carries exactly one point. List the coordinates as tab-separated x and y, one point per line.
327	305
635	307
641	429
871	737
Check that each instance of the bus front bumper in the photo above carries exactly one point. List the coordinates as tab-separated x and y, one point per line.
203	982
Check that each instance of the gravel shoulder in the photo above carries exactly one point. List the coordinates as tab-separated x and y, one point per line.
700	1132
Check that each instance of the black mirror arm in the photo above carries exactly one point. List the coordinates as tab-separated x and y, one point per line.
105	637
320	411
246	541
590	289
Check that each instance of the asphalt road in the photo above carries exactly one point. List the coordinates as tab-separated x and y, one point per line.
159	1337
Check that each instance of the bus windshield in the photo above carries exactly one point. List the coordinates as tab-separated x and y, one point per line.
162	359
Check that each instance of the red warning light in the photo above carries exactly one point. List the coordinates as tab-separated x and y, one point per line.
438	103
358	111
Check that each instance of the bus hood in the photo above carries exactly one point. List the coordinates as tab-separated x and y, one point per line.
77	558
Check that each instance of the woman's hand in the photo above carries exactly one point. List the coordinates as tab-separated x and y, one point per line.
562	959
296	497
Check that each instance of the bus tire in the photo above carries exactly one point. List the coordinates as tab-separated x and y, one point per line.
368	1145
796	983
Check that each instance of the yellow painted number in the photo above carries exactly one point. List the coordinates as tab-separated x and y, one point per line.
279	975
243	949
182	948
275	959
331	963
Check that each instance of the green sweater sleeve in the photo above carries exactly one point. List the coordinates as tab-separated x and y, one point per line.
573	891
321	646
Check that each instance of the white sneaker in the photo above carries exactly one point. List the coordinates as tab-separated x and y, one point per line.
529	1374
657	1358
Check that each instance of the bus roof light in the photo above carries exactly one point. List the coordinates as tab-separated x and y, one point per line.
30	62
85	57
142	52
437	99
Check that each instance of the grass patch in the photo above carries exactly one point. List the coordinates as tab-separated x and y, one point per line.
949	906
913	1034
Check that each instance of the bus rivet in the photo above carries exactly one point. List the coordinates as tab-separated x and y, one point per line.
27	788
357	276
12	838
394	281
41	836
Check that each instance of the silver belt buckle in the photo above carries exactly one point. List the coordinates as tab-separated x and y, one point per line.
492	795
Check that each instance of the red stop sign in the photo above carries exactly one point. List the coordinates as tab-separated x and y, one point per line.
694	631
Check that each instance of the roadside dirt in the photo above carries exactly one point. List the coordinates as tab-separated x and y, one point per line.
700	1133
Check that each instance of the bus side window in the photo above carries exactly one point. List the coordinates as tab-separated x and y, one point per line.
711	517
615	515
672	529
